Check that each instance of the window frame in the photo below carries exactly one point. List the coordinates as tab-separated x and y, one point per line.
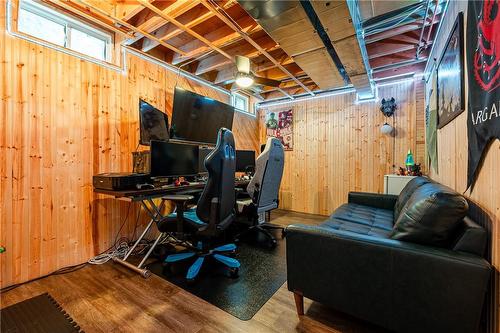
69	23
246	98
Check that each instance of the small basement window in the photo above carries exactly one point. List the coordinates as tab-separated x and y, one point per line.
241	103
49	25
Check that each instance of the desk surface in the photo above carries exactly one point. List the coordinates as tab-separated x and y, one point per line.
159	191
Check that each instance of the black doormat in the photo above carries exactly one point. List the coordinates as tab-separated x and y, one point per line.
262	273
38	314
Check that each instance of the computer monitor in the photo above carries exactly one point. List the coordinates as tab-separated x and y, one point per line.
173	159
197	118
202	154
244	159
153	124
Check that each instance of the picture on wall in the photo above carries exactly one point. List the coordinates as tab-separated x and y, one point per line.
279	124
450	76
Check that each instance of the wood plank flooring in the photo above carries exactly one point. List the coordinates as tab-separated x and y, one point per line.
109	298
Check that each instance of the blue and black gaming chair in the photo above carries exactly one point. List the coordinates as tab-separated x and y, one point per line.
214	211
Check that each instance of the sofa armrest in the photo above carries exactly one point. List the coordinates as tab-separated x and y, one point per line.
401	286
377	200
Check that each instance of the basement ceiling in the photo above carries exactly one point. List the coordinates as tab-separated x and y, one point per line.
309	46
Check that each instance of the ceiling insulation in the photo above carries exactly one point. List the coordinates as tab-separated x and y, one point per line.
292	28
288	24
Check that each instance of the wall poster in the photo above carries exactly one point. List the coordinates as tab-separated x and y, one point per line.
279	124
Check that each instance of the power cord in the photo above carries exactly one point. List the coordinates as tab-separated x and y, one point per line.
119	252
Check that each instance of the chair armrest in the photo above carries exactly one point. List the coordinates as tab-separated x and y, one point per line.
377	200
384	280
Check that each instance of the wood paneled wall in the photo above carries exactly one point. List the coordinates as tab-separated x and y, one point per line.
62	120
452	165
338	146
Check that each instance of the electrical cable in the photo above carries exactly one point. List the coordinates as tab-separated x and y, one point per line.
119	252
60	271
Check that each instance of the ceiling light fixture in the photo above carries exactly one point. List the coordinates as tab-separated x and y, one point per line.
244	80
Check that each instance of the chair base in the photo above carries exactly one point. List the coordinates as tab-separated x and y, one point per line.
263	229
217	253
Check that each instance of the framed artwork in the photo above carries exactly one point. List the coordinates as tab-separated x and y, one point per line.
279	124
450	76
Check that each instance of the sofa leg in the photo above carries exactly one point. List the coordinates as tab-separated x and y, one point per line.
299	302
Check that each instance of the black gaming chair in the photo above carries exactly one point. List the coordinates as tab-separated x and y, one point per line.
214	211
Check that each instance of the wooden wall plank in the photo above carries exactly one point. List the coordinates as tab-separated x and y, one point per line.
338	147
63	120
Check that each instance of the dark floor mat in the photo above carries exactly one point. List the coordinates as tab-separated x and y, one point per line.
262	273
38	314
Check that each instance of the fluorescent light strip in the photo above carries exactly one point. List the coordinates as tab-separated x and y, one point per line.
396	82
341	91
124	51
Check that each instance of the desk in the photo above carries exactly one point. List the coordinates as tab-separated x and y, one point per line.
145	197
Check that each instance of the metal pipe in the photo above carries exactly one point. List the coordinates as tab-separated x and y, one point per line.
423	28
143	272
398	64
432	23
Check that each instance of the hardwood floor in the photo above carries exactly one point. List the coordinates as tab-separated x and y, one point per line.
110	298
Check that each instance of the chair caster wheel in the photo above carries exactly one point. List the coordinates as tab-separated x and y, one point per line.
233	272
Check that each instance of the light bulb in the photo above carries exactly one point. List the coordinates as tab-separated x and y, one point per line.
386	129
244	80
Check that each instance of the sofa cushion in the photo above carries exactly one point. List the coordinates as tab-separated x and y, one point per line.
430	216
406	193
361	219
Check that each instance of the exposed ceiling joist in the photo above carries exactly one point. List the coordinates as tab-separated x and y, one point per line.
184	28
126	9
220	37
125	24
214	62
397	31
223	18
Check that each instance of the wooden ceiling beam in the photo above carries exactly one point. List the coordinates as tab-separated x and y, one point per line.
289	91
380	49
150	20
125	24
277	74
218	61
287	85
223	18
221	37
396	57
413	26
99	20
126	9
186	29
411	68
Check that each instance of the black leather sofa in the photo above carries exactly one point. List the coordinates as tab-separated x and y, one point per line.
365	262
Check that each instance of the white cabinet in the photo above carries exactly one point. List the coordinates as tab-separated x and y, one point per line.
393	184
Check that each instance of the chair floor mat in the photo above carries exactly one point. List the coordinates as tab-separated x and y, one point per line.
38	314
262	273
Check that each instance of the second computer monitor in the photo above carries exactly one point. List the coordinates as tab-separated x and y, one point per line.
244	159
173	159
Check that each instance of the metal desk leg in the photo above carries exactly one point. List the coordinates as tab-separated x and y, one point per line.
155	213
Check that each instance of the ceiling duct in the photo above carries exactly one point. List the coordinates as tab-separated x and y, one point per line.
318	35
